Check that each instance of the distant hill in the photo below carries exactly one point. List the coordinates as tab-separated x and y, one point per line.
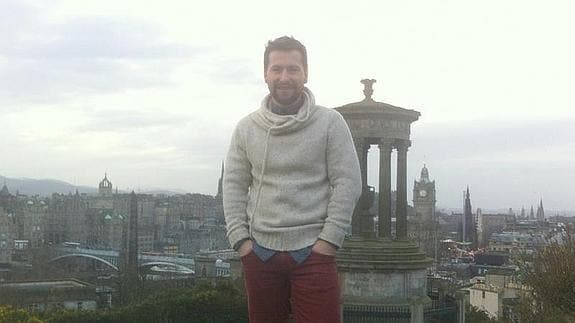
46	187
42	187
161	192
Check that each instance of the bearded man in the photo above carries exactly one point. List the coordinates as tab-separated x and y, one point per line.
291	182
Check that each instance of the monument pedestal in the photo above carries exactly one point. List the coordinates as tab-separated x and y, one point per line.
384	276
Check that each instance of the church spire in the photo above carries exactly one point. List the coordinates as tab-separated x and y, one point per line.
540	211
220	184
522	212
4	191
468	223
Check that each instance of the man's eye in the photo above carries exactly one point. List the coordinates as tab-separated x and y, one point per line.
293	69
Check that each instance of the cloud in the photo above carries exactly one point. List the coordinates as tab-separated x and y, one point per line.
234	71
38	82
492	138
128	120
16	19
506	164
42	61
99	38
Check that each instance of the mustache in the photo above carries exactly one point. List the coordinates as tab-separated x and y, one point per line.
285	87
284	83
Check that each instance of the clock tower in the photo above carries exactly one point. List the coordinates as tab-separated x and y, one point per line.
423	224
424	197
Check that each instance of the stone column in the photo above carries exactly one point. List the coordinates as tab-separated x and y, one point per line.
417	313
361	148
384	216
401	194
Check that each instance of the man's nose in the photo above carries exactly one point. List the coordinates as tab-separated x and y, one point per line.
284	75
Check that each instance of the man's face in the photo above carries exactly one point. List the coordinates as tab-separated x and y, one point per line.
285	76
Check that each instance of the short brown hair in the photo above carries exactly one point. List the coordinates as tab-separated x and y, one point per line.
285	43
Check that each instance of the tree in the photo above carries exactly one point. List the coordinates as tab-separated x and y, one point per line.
203	303
9	314
476	315
550	274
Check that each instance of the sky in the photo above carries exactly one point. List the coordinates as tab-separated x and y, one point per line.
149	92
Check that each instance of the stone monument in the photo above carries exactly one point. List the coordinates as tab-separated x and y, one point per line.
378	271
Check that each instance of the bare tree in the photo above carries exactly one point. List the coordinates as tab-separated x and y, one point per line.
550	273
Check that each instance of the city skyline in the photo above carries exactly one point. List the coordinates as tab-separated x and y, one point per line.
150	93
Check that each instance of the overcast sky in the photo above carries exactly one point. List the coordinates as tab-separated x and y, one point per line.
149	91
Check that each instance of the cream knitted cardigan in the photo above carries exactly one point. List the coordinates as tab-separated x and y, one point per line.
290	180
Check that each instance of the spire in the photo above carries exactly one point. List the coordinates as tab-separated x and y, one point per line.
129	252
4	191
133	236
540	211
522	212
531	213
469	225
220	184
424	177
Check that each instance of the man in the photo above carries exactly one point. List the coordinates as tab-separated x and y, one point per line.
291	182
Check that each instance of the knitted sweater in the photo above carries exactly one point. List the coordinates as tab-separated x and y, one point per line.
291	179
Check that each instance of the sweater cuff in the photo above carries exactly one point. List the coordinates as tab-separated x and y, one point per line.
333	235
238	236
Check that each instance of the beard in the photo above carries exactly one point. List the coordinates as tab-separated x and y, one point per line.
285	94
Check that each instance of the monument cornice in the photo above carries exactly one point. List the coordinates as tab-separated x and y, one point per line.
369	108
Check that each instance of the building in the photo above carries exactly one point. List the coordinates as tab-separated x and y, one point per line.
188	222
488	224
424	197
7	231
516	242
30	219
105	188
222	263
423	226
497	296
65	221
37	296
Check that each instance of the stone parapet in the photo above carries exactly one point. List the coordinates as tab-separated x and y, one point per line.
360	254
388	275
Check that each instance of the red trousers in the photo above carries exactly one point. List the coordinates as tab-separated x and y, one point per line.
309	291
